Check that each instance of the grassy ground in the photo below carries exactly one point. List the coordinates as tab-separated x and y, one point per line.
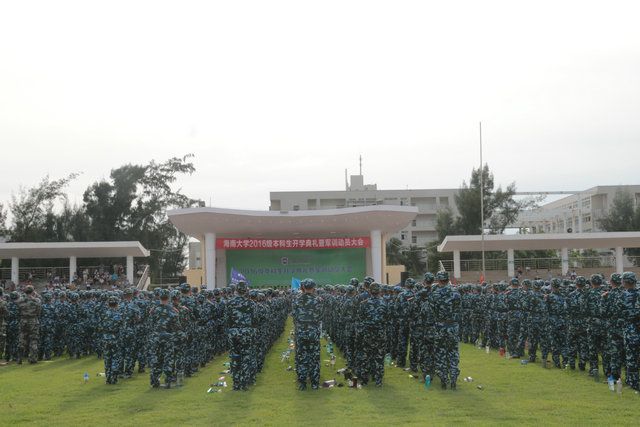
54	393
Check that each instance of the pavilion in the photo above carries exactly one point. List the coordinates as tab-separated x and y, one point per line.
72	251
559	241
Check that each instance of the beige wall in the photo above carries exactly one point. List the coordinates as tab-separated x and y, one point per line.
394	274
195	277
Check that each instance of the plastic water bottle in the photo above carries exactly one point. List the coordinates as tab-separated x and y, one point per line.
487	349
427	381
611	383
619	386
387	360
86	377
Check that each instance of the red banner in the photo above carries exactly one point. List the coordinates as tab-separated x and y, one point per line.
316	243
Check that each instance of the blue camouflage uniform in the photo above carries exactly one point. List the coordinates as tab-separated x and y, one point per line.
307	314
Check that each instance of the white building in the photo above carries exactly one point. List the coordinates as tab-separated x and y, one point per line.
578	213
421	230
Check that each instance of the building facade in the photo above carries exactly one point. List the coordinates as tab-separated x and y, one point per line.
577	213
420	231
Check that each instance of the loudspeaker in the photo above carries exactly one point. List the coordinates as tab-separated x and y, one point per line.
404	275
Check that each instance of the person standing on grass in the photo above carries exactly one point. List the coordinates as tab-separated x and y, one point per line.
307	315
445	304
631	315
164	325
111	325
240	318
373	315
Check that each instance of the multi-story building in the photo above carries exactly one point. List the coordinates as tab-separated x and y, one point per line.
577	213
420	232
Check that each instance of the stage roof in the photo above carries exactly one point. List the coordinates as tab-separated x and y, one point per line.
308	223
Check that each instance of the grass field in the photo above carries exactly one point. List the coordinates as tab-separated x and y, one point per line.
54	393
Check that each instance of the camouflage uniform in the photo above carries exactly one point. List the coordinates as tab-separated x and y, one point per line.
30	308
597	328
556	326
13	327
164	322
373	314
111	324
537	320
403	313
307	313
515	300
131	317
445	304
74	330
577	342
3	323
631	316
47	327
614	303
426	332
240	321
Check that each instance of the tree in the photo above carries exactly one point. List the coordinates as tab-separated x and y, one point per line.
132	205
32	210
623	216
500	208
3	222
395	256
414	261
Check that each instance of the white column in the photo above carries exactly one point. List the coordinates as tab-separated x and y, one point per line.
15	270
130	269
564	256
619	260
376	255
511	263
210	260
456	264
73	266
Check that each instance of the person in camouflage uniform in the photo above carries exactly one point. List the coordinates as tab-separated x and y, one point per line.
131	316
525	289
13	327
577	315
307	314
426	331
179	337
445	304
62	320
556	326
537	319
47	327
240	321
164	321
403	314
111	324
188	300
631	315
74	330
501	310
30	308
3	323
597	327
515	300
615	333
373	315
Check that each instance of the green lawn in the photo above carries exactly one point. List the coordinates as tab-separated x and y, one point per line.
54	393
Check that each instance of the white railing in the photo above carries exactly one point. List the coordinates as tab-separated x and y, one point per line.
539	263
144	281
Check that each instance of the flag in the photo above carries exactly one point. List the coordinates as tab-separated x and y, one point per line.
236	277
295	284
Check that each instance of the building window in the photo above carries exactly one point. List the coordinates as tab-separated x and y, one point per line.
403	235
413	223
414	239
296	207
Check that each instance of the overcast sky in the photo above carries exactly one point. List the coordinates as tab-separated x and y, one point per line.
274	96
